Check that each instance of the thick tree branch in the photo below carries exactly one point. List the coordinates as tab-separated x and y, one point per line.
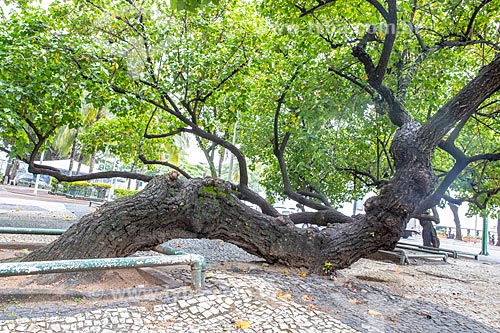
484	157
45	170
353	80
470	25
451	149
321	218
171	207
475	199
390	37
315	195
486	83
450	177
279	149
376	73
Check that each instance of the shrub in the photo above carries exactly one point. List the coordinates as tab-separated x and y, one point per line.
81	189
121	192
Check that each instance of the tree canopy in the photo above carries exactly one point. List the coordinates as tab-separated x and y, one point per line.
315	91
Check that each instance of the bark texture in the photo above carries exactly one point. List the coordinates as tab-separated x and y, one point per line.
456	218
171	207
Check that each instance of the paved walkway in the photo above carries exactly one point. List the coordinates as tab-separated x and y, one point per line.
252	299
240	308
451	244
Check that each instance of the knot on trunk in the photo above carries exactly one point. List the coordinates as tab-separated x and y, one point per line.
405	148
215	188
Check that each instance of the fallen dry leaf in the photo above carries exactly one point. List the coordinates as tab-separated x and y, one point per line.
374	313
25	251
221	242
394	320
287	297
286	271
355	301
178	245
312	306
302	275
244	324
397	271
307	298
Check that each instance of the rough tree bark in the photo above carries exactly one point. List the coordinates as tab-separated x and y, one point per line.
429	234
171	207
12	172
456	218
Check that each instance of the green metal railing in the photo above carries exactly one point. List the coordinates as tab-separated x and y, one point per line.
83	192
174	257
31	231
198	267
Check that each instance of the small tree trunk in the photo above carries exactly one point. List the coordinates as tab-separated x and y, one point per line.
456	218
72	156
7	171
92	160
221	161
80	162
498	232
13	170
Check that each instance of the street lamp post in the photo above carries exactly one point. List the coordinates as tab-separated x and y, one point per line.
484	248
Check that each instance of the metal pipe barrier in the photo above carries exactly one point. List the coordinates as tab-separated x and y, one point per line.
31	231
404	256
174	257
453	253
198	267
430	253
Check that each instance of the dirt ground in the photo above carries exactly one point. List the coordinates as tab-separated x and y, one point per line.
104	280
466	286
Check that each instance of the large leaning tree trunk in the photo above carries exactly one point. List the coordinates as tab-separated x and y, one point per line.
172	207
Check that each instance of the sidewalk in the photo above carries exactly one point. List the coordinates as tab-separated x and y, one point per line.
452	244
260	298
19	205
27	193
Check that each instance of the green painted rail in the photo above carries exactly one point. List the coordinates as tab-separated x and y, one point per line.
174	257
31	231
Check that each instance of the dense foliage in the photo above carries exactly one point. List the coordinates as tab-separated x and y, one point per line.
284	76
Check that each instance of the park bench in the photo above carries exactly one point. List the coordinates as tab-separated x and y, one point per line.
452	253
404	255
